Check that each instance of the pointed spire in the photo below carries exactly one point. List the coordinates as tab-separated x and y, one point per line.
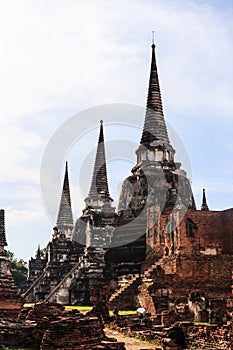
3	242
65	216
204	205
38	252
154	126
153	37
99	185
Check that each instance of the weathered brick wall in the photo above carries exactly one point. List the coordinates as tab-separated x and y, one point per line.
10	302
146	300
49	326
16	333
73	333
210	274
195	252
174	277
211	232
227	232
212	337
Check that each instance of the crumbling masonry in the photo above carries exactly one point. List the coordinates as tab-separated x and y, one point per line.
170	252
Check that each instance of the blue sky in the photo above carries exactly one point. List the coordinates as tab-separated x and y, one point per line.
59	58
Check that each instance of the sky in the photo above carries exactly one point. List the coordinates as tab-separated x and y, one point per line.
68	61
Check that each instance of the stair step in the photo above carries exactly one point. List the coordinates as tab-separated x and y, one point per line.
124	287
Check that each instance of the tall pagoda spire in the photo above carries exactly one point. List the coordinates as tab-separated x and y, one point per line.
204	205
99	192
65	216
3	242
155	144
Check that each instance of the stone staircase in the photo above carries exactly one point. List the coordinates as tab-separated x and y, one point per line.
60	293
134	287
29	294
147	273
124	297
167	264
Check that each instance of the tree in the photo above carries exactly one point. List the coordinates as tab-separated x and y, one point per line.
19	268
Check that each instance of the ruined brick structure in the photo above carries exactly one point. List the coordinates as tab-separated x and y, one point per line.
49	326
10	301
61	253
169	252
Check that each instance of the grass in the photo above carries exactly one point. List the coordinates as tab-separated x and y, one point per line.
124	312
201	323
89	308
79	308
28	305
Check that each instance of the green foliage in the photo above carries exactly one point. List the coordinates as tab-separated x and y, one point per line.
18	268
10	255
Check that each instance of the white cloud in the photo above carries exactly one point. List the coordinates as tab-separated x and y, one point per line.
51	56
23	235
17	148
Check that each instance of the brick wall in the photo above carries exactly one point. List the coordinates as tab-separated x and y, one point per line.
227	233
211	232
